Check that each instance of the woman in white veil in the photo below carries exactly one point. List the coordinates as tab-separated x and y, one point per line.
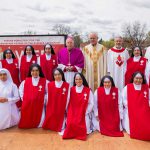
9	95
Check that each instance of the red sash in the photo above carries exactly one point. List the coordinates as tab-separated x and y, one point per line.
24	66
139	112
133	67
32	105
108	112
48	66
13	69
56	106
76	126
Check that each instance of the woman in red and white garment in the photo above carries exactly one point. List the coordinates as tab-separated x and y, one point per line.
10	62
27	59
79	110
57	104
136	114
135	63
48	62
33	92
108	109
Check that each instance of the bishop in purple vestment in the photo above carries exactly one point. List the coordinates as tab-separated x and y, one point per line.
70	60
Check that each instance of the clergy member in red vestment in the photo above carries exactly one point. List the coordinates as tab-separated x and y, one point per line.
48	62
79	110
10	62
33	92
58	98
108	109
136	101
27	59
136	63
70	60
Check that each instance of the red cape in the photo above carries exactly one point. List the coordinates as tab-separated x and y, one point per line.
139	112
32	105
133	67
108	112
48	66
56	106
24	66
76	126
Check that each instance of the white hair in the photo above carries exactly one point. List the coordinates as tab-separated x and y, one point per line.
95	33
118	37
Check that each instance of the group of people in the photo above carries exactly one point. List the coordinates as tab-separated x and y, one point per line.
77	91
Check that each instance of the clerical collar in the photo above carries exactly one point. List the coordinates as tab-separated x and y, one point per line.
58	84
69	50
137	87
79	88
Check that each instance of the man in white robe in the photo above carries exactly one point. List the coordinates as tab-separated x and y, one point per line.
95	61
116	62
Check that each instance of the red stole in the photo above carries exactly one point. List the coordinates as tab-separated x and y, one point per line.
117	50
13	69
139	112
133	67
32	105
48	66
108	112
24	66
56	106
76	125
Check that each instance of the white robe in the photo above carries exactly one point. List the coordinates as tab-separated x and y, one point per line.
117	72
147	72
9	113
125	121
95	122
69	76
95	64
147	54
35	83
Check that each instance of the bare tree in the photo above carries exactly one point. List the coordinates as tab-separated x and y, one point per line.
61	29
134	34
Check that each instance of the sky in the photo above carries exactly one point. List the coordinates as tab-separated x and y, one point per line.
106	17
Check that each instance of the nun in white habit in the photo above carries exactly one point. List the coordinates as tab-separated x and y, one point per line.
9	95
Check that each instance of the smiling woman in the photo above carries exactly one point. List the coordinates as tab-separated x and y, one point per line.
136	101
79	110
33	92
9	113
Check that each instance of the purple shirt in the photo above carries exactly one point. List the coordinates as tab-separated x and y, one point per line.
74	59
